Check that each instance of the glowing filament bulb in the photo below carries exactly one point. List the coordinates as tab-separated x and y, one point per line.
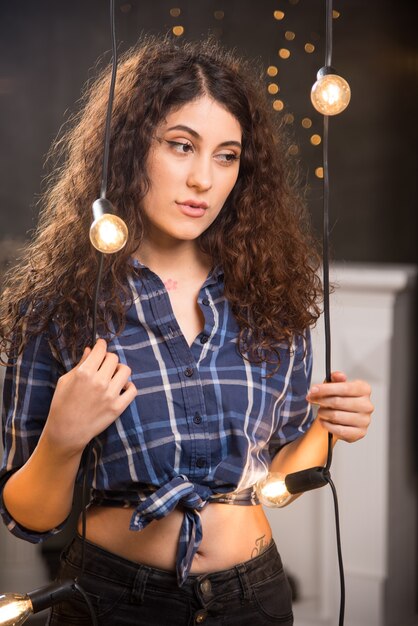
272	490
108	233
14	609
331	93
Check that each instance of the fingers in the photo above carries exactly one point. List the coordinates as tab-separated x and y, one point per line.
345	407
109	366
358	419
99	360
120	379
338	377
128	394
83	356
345	432
341	404
95	357
353	388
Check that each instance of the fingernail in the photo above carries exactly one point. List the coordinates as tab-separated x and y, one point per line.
313	390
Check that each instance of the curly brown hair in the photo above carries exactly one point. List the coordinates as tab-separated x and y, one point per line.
260	237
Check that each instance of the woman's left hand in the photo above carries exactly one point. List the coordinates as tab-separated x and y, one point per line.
344	406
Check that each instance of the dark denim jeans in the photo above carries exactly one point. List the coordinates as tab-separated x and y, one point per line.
126	593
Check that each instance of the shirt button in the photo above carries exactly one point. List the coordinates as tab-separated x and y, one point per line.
204	338
200	462
205	301
206	587
188	371
197	418
200	617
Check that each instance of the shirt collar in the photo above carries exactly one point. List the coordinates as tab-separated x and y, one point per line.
215	273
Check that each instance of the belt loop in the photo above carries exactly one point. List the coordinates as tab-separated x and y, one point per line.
139	585
241	570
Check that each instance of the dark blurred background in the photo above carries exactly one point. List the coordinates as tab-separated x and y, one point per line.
49	48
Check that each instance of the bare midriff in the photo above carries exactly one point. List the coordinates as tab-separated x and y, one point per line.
231	534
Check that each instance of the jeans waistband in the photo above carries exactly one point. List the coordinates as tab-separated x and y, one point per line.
103	564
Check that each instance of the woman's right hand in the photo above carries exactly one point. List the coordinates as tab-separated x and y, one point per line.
88	399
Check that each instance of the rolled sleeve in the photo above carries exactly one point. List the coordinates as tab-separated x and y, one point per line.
296	415
28	388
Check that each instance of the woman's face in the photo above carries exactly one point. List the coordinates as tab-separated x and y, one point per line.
192	166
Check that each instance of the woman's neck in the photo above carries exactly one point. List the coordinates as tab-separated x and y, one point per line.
182	259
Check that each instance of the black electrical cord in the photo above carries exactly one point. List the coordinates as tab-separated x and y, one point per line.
88	452
81	591
327	324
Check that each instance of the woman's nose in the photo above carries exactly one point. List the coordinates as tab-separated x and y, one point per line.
200	173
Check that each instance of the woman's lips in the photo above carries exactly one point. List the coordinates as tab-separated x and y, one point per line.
192	211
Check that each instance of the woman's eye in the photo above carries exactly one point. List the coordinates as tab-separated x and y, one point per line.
182	147
227	158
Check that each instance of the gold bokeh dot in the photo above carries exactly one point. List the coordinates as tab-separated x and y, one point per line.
289	118
316	140
272	70
178	30
336	14
273	88
175	12
319	172
219	15
289	35
278	15
306	122
293	149
309	47
278	105
284	53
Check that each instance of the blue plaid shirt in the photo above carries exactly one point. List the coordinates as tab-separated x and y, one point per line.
205	423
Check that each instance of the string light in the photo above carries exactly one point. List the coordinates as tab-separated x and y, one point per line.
278	105
272	491
276	490
178	31
108	232
315	140
330	93
15	608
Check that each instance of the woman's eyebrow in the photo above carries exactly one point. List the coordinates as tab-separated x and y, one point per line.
195	134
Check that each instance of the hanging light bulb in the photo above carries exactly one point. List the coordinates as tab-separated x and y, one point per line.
331	93
272	490
108	233
276	490
16	608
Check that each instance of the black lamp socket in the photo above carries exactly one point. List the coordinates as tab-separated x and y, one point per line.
306	480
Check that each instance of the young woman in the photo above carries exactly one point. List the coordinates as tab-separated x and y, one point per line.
201	380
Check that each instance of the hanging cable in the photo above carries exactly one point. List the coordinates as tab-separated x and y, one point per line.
88	452
330	95
327	71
